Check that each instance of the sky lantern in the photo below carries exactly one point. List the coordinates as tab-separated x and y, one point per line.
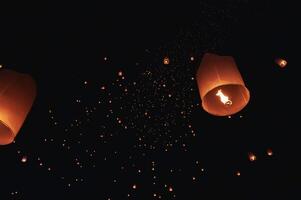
281	62
24	159
17	93
252	157
166	61
221	87
269	152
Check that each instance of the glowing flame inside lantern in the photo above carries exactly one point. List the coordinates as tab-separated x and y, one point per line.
224	99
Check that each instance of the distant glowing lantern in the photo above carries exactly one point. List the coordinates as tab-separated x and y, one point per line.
120	73
17	93
269	152
221	87
166	61
252	157
281	62
24	159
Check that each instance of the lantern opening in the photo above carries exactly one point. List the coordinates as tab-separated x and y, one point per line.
6	134
226	99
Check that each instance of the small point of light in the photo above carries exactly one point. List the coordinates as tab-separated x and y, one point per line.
252	157
238	173
24	159
166	61
120	73
191	58
281	62
269	152
170	189
134	186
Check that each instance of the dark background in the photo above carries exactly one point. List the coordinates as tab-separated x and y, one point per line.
63	45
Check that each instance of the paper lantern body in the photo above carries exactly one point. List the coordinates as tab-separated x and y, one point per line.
221	86
17	93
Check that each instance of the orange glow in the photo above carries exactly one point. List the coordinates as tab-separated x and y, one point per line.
221	87
223	98
269	152
18	92
281	62
252	157
166	61
238	173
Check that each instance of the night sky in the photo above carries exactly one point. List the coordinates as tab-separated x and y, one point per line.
113	121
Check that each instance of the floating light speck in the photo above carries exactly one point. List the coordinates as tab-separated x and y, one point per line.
24	159
281	62
166	61
269	152
252	157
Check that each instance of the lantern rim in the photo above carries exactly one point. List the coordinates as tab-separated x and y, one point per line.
7	135
243	89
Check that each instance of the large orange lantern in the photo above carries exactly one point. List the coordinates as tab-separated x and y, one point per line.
17	93
221	87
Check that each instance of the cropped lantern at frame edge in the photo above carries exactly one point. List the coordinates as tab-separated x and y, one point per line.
221	87
17	94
